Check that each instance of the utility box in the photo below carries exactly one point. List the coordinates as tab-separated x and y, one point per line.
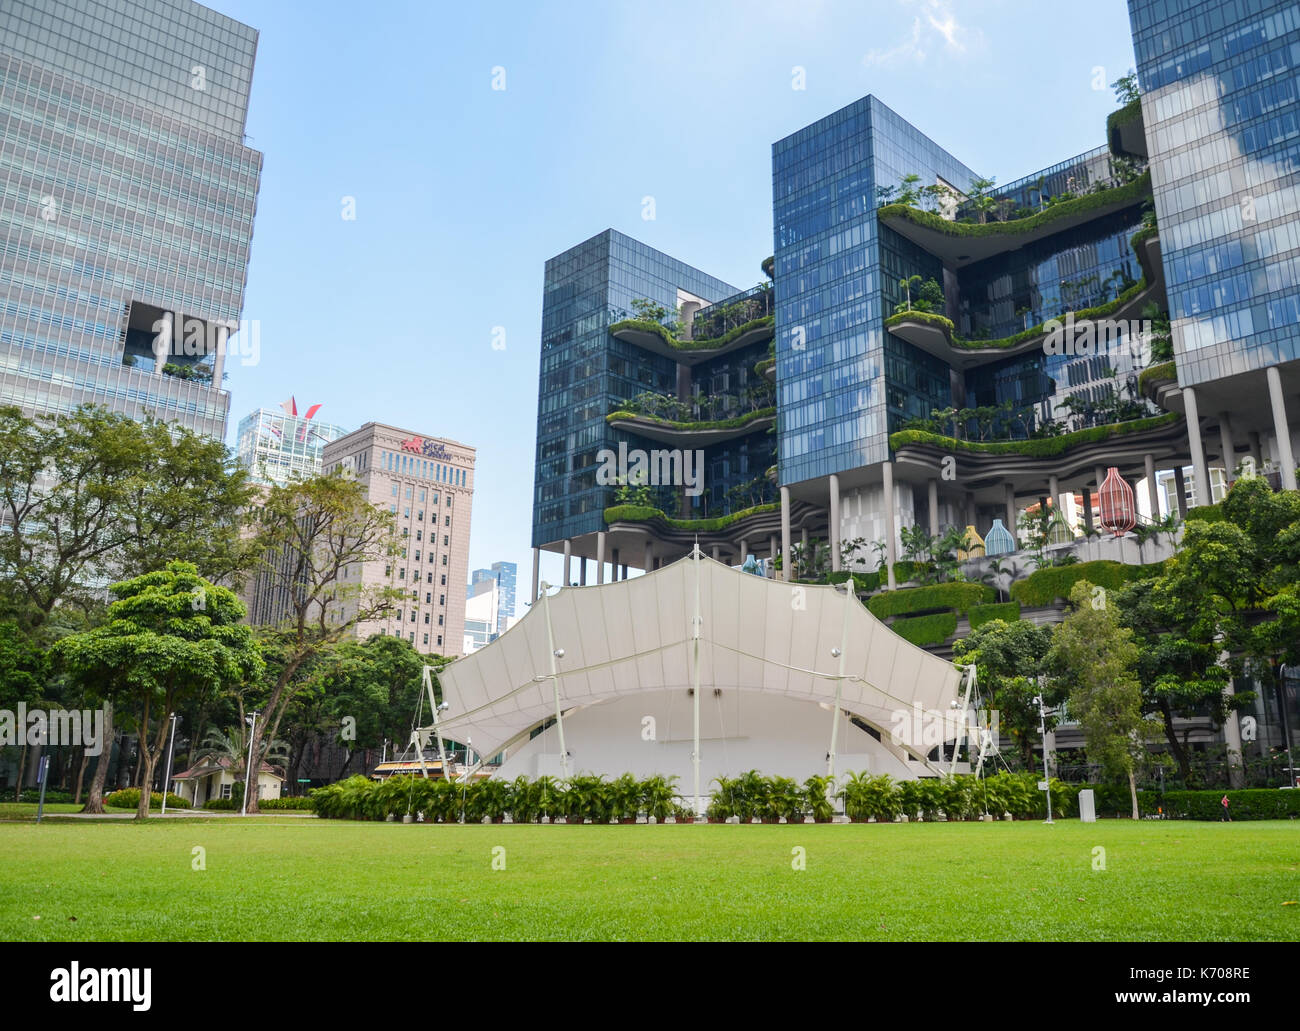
1087	806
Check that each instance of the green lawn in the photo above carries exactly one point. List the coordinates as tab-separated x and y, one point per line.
310	879
23	810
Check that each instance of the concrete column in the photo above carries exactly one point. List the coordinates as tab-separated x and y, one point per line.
649	556
1054	489
1087	506
891	523
1281	427
537	573
932	499
1011	511
803	539
717	553
744	551
1232	740
1153	496
600	556
1256	452
623	571
1200	474
613	565
162	355
219	364
970	510
1227	448
582	571
568	567
1180	485
834	541
785	534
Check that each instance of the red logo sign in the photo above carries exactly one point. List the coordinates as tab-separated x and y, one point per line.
415	444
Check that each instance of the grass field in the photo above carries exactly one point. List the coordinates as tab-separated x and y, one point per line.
303	879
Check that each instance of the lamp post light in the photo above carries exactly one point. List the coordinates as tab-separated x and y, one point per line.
167	778
1047	773
248	771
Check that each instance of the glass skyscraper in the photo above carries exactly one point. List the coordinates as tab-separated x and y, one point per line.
127	207
837	273
584	369
503	574
276	448
1222	117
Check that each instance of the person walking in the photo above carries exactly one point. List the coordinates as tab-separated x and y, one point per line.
1224	802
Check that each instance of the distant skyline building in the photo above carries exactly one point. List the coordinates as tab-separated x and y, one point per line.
276	447
428	484
503	575
127	210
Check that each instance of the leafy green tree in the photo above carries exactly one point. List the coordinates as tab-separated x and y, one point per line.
1126	88
909	190
1093	657
1009	659
171	635
1180	675
648	310
981	197
310	533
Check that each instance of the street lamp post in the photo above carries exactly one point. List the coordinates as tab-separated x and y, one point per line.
167	779
248	772
1047	772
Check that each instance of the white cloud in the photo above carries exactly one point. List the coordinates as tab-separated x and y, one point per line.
935	26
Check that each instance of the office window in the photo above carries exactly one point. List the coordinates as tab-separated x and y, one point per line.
401	573
445	540
394	490
442	599
440	640
419	535
423	492
417	555
444	579
440	620
426	619
408	492
428	597
430	580
444	560
412	638
447	521
413	615
426	638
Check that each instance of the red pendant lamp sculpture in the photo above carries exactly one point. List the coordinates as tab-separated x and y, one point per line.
1118	507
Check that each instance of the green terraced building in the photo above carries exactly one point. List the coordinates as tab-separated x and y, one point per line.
951	353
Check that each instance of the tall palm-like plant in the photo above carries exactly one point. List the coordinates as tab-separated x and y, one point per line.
231	746
784	800
815	793
906	286
657	794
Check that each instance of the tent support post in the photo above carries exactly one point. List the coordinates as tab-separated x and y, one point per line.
695	633
849	599
555	681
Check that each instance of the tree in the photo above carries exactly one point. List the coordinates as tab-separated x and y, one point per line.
1126	88
909	190
1094	658
1180	676
171	636
310	533
981	196
648	310
1009	658
97	495
906	286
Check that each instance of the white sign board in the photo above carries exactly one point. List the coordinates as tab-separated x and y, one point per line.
1087	807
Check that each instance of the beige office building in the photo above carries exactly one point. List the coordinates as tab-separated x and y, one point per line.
428	484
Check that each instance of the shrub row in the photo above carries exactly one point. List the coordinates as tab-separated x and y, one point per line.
1157	374
1206	513
715	424
1132	192
1047	586
702	344
922	630
33	795
1008	611
584	797
129	798
266	805
959	596
645	514
1036	447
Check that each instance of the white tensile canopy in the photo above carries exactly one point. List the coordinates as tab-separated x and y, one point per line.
637	635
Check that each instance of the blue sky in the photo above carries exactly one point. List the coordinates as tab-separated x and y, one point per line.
462	191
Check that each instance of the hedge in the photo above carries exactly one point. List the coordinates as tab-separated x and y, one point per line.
959	596
1157	374
129	798
1125	114
1246	804
1101	311
716	424
266	805
1205	513
53	797
1008	611
645	513
923	630
1047	586
1134	192
1037	447
702	344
